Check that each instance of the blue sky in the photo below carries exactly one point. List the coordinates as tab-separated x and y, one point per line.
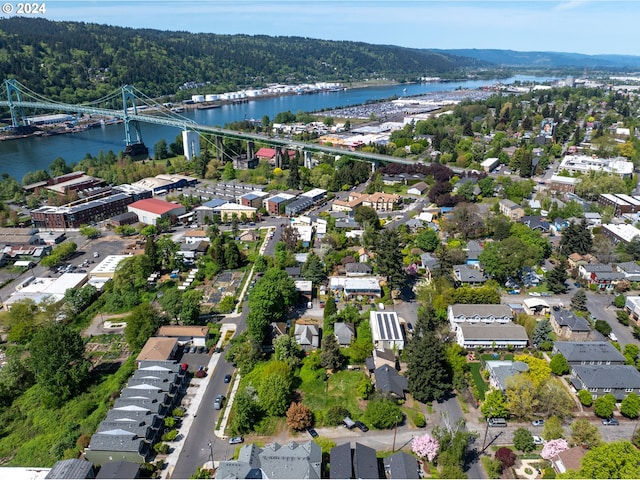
581	26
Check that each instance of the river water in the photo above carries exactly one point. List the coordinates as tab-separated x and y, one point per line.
17	157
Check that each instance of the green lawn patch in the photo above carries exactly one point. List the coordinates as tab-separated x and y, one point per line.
476	374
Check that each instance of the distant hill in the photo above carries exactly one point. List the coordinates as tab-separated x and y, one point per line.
76	61
512	58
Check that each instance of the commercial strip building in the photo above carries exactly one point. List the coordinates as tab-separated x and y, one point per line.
88	210
585	164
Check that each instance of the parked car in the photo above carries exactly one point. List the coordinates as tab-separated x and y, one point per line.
497	422
535	294
235	440
538	423
227	378
612	337
219	401
347	422
514	291
312	432
361	426
409	327
537	440
610	421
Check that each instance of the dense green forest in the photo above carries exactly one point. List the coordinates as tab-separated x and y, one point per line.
75	62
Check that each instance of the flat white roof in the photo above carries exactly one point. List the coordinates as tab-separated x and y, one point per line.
314	192
234	206
51	286
624	231
108	265
385	326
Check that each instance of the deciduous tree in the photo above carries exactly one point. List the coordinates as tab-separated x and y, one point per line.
57	356
583	432
299	416
618	459
559	365
425	446
383	413
523	440
630	406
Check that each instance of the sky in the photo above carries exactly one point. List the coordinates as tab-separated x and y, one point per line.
576	26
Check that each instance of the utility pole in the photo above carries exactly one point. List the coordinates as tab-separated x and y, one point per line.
395	431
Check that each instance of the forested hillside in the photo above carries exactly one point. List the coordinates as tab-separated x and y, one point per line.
78	61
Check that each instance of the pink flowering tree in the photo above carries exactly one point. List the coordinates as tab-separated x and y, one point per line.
425	446
553	448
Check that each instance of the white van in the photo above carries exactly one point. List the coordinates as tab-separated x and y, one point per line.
497	422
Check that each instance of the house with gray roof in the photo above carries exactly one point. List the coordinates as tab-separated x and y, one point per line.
599	380
356	269
365	462
341	461
492	335
111	470
474	249
388	380
631	271
401	465
588	353
307	336
116	445
294	460
344	333
568	325
74	468
501	370
468	275
459	313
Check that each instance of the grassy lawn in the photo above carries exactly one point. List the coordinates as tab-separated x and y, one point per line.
339	389
477	378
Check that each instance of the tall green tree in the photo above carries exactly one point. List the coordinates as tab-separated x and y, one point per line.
556	278
506	258
428	374
293	180
312	269
142	323
619	459
388	258
269	301
576	238
583	432
579	301
428	240
57	357
331	357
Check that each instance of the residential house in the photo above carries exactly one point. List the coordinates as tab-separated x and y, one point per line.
473	249
402	465
631	271
593	219
567	325
73	468
599	380
588	353
358	269
468	275
354	287
275	461
196	335
276	204
380	202
111	470
118	445
511	209
600	274
496	335
536	222
559	224
386	330
388	380
230	210
365	462
157	348
570	459
341	461
632	307
460	313
254	199
344	333
575	260
418	188
501	370
307	335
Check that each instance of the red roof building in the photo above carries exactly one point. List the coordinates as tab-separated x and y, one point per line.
150	210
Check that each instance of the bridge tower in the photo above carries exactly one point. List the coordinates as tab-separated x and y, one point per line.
18	117
137	148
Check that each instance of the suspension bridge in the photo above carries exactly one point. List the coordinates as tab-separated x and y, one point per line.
133	102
